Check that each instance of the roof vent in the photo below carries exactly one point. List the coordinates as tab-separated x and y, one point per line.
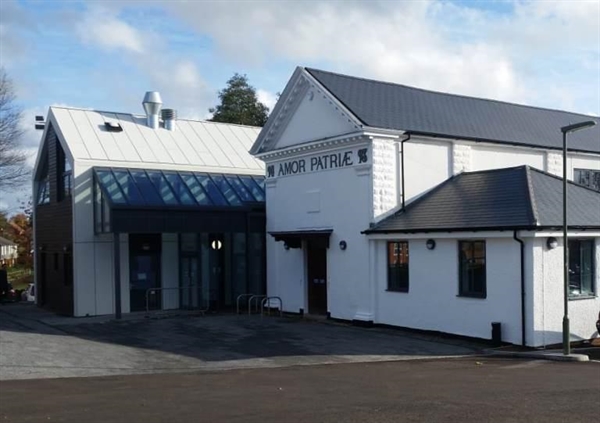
169	116
152	104
113	126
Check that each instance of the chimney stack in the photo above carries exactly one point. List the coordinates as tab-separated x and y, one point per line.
169	116
152	104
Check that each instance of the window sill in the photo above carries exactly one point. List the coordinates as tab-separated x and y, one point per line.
582	297
474	296
401	291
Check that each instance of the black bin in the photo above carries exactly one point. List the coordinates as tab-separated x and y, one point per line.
497	333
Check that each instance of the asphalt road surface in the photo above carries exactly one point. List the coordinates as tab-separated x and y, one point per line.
446	390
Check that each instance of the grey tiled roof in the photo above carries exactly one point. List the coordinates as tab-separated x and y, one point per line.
511	198
392	106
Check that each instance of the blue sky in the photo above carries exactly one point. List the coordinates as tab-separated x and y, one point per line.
106	54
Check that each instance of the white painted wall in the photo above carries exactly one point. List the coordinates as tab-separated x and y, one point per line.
315	118
432	302
548	288
427	164
339	199
487	157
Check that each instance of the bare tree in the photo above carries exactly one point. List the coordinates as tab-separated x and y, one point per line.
13	168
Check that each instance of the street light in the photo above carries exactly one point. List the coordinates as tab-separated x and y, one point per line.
566	331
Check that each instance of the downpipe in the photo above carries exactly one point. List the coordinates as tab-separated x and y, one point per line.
522	252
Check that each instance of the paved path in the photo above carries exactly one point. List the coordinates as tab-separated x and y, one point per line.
34	344
449	390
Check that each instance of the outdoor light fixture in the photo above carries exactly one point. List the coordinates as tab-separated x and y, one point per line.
216	244
551	243
286	246
343	245
566	331
430	244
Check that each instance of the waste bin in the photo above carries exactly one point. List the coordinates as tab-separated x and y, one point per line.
497	333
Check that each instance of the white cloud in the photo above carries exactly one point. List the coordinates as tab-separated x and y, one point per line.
101	28
267	98
432	44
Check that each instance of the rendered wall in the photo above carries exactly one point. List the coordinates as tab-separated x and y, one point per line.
338	199
549	294
432	302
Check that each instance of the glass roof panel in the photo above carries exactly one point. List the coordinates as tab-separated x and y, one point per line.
253	187
226	190
163	187
260	180
211	189
181	190
239	188
129	187
146	188
196	189
108	182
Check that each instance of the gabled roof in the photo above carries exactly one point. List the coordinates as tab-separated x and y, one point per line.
421	112
203	145
500	199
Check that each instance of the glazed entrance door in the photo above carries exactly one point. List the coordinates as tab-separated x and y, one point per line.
317	279
189	282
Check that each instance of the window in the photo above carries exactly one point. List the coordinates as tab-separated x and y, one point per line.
581	267
587	177
472	269
398	266
44	191
65	174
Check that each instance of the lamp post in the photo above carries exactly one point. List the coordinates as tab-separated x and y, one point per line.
566	331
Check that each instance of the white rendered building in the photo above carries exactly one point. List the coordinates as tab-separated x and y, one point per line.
393	205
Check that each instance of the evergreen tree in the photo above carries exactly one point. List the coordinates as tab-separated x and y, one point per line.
239	104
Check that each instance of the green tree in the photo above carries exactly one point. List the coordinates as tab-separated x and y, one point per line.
239	104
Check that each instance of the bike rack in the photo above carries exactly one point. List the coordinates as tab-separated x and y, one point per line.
237	301
252	298
264	301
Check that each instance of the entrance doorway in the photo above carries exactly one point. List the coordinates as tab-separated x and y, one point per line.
189	282
316	269
144	271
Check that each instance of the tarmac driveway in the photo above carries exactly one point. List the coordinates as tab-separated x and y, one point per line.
34	344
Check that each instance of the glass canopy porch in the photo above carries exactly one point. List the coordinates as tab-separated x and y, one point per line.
123	196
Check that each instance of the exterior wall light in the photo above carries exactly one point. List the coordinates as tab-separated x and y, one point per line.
551	243
286	246
216	244
343	245
430	244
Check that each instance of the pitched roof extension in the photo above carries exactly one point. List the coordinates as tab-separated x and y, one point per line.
500	199
421	112
196	144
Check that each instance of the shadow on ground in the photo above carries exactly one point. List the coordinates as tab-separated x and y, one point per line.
34	344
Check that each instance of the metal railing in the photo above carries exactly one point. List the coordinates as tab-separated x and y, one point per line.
269	299
176	298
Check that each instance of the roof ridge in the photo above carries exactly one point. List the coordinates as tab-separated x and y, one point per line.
530	193
139	115
491	100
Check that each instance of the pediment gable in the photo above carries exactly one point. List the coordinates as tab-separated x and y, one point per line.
305	112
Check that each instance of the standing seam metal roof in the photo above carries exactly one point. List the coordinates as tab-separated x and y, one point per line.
192	143
392	106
